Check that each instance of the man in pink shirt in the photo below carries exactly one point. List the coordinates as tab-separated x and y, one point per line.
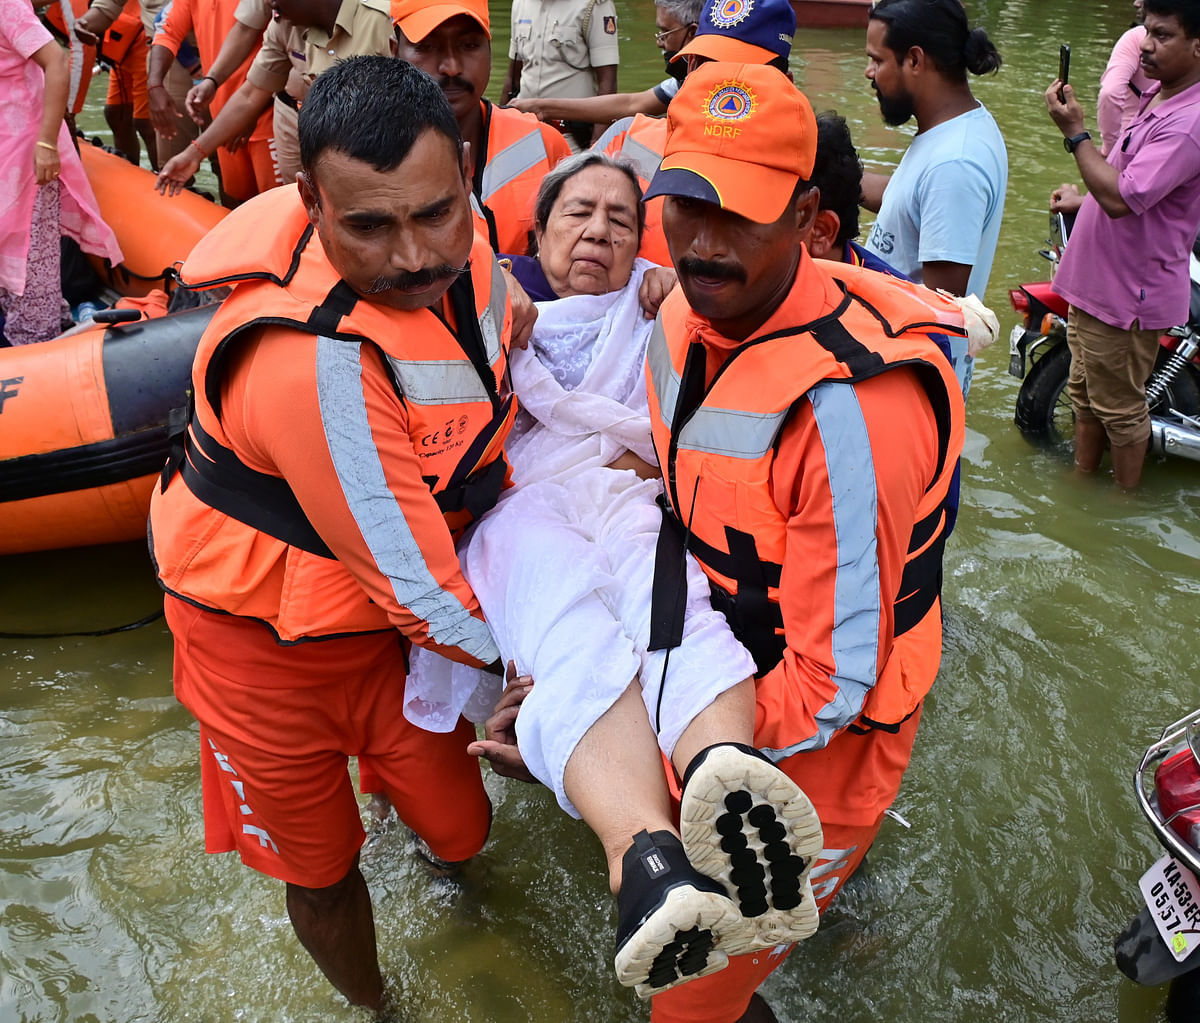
1125	271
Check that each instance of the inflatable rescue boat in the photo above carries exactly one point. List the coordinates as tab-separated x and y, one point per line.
83	429
156	232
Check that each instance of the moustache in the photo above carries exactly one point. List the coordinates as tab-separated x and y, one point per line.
417	280
710	268
452	82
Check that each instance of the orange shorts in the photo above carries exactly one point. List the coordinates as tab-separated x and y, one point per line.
723	997
277	727
249	171
127	80
254	168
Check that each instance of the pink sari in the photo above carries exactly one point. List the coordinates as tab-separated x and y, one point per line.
22	85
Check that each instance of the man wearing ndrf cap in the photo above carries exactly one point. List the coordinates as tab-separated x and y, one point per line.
741	31
510	151
808	428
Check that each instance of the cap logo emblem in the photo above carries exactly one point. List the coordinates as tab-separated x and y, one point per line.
730	102
728	13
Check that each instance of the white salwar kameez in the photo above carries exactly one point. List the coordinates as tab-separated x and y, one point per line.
563	565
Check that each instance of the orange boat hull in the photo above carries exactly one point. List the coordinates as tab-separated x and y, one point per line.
83	430
155	231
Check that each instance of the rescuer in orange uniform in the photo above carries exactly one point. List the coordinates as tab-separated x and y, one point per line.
350	409
511	151
808	428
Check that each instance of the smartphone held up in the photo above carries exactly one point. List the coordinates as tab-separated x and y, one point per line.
1064	70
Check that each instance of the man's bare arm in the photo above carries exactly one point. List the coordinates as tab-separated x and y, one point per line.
606	79
1101	178
942	275
594	109
873	185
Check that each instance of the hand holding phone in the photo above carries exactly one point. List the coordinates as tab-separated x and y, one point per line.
1064	70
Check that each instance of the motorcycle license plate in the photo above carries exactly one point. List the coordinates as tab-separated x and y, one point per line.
1016	361
1173	897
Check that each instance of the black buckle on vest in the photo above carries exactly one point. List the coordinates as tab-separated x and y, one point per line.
478	492
338	304
177	424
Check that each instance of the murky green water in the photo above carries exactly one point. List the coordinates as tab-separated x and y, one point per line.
1071	639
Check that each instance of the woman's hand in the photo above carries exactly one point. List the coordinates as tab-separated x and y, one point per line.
46	165
524	312
657	283
527	106
499	745
178	171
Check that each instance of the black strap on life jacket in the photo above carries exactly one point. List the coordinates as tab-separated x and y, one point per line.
668	598
481	159
223	481
921	583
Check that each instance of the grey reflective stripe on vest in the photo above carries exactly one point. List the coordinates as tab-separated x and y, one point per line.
610	133
643	158
378	515
856	609
491	320
455	381
511	162
663	377
733	433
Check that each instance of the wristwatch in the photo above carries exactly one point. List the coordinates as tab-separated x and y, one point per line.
1070	144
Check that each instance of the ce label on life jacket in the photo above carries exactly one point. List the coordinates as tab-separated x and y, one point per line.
1173	898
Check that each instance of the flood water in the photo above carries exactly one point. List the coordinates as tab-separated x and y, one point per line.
1071	641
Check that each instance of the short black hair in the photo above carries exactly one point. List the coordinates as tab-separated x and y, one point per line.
372	109
1187	11
837	172
940	29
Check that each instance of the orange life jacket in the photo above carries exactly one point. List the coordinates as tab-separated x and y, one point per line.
122	34
641	140
508	175
717	458
282	278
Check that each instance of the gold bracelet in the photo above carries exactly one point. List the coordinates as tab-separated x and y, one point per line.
46	145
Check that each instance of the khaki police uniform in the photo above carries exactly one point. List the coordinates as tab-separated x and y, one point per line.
362	28
559	42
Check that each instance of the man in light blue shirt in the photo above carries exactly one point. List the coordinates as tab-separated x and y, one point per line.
939	213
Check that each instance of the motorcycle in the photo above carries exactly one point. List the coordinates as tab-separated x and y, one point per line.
1159	945
1040	359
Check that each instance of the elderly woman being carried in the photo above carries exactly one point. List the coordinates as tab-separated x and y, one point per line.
563	567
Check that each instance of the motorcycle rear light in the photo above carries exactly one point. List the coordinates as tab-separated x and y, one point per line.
1051	324
1177	782
1019	300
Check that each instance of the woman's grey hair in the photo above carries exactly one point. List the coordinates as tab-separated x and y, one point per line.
686	12
553	182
